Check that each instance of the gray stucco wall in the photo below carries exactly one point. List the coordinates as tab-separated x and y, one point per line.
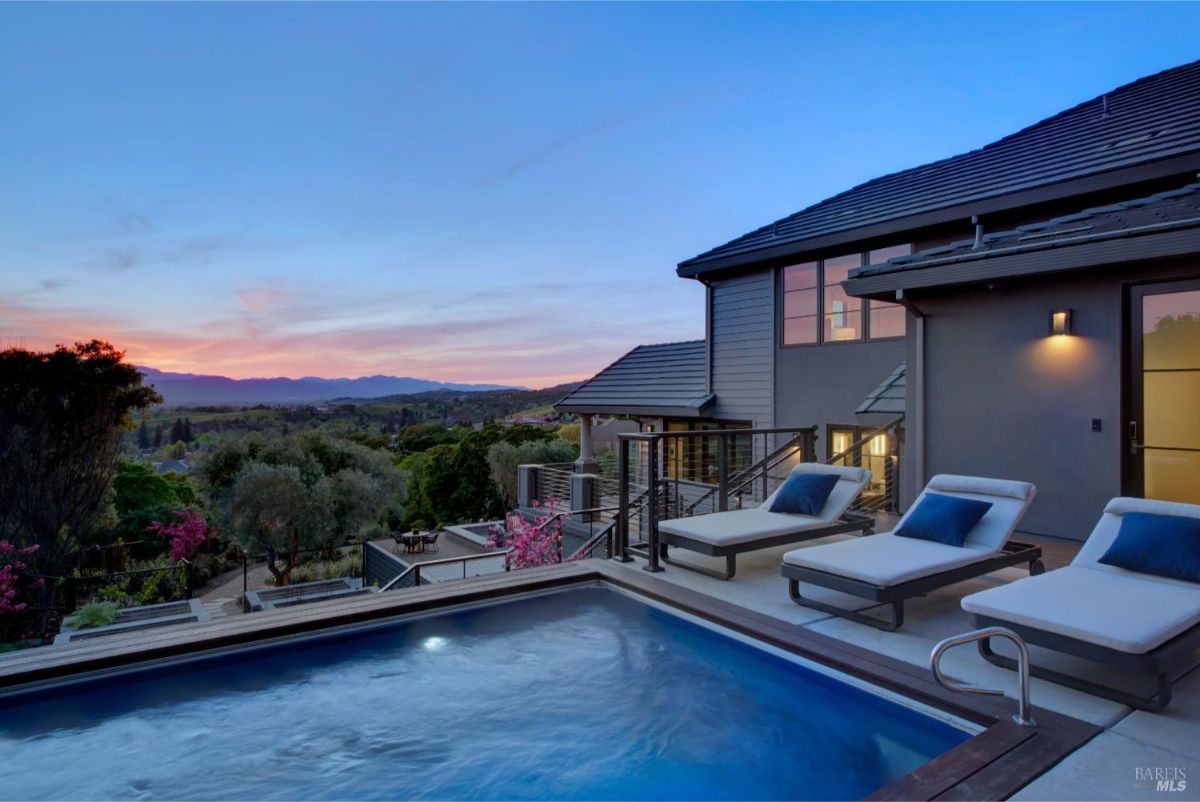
823	384
1005	400
742	332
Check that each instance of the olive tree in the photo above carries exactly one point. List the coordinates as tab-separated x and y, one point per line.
275	512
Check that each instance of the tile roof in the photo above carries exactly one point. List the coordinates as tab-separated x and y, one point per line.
667	379
888	398
1175	209
1153	118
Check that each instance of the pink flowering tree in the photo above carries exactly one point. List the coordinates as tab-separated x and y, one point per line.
531	543
11	566
185	533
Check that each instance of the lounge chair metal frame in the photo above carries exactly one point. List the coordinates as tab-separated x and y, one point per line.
848	522
1165	663
1012	553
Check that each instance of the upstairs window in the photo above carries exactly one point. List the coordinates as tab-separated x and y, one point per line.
816	309
843	314
887	320
801	291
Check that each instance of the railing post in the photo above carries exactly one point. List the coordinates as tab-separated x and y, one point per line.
527	484
417	574
766	470
722	473
652	507
622	554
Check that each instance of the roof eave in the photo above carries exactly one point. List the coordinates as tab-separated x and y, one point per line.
1146	171
972	268
696	409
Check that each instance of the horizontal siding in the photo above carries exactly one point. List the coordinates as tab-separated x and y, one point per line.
743	334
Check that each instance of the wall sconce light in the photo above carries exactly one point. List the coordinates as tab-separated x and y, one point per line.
1060	322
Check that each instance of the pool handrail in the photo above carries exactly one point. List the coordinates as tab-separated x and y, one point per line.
1022	716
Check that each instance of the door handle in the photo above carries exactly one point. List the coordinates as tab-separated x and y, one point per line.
1134	445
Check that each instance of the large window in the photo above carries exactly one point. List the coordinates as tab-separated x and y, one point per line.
816	309
695	458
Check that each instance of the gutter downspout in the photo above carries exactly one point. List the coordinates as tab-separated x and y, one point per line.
916	439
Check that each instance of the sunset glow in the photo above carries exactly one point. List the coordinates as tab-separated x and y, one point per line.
469	193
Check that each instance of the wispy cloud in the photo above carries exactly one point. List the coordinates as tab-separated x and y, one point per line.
278	328
552	148
169	252
262	297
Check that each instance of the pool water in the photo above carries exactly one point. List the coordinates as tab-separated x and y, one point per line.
582	694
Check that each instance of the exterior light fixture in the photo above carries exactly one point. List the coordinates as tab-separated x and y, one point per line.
1060	322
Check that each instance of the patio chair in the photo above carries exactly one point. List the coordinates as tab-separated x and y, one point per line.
733	532
430	541
890	568
1137	622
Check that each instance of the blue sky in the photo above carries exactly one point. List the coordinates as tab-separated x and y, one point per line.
474	192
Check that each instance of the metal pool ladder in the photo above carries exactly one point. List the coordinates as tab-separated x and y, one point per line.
935	659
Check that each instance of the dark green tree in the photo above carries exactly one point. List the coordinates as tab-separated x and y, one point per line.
158	436
62	416
143	436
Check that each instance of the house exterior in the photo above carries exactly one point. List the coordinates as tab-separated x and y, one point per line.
877	302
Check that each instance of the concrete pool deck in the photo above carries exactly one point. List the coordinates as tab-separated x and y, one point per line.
1105	768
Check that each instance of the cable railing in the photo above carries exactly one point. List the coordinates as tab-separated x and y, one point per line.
554	481
668	474
411	577
761	472
879	451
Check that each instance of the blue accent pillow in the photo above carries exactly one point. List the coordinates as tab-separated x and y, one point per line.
943	519
804	493
1163	545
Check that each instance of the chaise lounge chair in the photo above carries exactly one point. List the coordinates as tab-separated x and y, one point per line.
733	532
1134	621
889	569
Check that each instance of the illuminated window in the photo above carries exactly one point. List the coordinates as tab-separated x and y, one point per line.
816	309
887	320
843	314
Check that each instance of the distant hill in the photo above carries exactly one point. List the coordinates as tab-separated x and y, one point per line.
187	389
450	407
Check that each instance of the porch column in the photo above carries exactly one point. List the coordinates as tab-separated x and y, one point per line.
585	463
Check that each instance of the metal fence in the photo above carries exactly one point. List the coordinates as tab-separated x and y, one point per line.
673	474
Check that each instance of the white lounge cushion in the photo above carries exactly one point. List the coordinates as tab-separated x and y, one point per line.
754	523
1110	524
1009	502
1128	612
884	560
740	526
850	483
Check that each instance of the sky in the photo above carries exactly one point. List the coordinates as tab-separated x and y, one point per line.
474	192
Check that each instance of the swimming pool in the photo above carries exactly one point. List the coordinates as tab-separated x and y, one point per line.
585	693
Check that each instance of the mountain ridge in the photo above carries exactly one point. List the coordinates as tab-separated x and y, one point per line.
184	389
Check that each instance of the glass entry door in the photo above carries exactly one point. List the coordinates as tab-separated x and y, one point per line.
1164	428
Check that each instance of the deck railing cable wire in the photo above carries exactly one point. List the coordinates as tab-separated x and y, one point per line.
411	577
664	475
878	450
